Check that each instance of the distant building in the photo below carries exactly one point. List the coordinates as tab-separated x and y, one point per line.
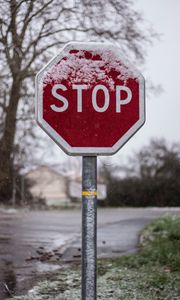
49	185
58	189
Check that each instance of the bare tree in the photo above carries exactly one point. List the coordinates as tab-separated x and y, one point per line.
30	32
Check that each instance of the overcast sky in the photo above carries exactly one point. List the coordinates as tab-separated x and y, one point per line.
163	64
162	67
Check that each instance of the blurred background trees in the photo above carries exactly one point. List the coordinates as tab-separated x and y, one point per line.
150	178
31	32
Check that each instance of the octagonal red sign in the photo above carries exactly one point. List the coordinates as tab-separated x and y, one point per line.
89	99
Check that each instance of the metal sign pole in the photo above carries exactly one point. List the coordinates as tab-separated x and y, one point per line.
89	227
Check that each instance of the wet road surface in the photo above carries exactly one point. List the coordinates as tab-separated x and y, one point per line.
22	236
33	243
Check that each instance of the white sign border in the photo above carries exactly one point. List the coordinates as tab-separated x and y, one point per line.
85	151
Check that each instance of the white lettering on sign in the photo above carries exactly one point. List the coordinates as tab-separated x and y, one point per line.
79	88
59	97
106	98
99	87
120	101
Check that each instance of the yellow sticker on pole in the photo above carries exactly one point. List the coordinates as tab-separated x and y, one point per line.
89	193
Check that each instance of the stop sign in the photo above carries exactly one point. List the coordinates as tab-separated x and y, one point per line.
89	99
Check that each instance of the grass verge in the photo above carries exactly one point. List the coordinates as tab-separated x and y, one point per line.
152	274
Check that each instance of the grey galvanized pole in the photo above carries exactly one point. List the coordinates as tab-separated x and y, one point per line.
89	227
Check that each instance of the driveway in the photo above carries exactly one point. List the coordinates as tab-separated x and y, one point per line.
33	243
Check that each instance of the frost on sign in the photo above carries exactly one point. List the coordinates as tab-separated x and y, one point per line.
90	100
90	67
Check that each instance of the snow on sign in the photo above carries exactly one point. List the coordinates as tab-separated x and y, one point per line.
89	99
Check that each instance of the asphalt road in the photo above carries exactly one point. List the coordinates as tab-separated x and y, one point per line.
33	243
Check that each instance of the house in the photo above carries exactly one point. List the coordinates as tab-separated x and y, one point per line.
56	188
50	185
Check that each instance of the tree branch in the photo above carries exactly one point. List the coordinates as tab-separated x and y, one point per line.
26	20
35	54
39	11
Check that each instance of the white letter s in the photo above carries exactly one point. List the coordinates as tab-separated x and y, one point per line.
59	97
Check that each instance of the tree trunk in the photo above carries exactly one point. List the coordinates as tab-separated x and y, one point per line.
7	144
